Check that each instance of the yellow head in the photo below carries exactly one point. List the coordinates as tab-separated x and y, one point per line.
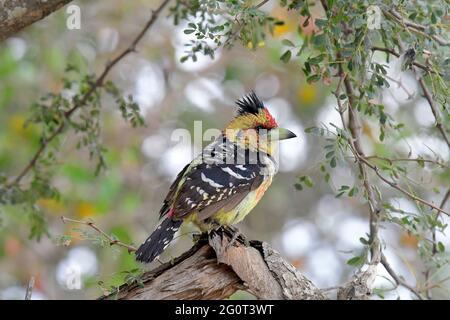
254	127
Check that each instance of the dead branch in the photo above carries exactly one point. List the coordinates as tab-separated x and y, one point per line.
112	241
214	269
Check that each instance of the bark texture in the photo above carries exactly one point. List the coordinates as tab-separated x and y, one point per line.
215	269
17	14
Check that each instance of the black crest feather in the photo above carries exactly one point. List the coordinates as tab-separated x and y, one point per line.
250	103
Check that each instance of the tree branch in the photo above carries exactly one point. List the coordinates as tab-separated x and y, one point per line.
439	125
394	53
214	269
397	279
413	26
392	160
30	286
397	187
434	110
92	225
85	98
434	249
17	14
360	286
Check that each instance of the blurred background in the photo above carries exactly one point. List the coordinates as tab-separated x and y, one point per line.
313	229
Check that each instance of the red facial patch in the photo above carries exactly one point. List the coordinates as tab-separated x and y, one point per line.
271	123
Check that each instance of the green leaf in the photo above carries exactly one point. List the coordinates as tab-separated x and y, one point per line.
441	247
286	56
329	154
317	59
356	261
298	186
379	292
288	43
363	241
313	78
421	163
319	39
321	23
353	191
340	194
189	31
333	162
307	181
315	130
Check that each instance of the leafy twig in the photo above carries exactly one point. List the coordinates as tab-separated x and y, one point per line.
259	5
354	130
413	26
398	82
397	187
362	280
434	110
434	249
394	53
85	98
392	160
92	225
397	279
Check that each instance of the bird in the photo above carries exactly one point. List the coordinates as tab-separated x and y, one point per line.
225	181
408	57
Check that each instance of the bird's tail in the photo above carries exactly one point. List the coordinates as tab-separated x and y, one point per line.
158	240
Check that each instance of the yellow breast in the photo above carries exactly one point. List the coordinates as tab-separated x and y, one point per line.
238	213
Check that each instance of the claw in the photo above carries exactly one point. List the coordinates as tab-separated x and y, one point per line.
233	240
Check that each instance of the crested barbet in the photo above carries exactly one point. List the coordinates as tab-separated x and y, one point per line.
225	182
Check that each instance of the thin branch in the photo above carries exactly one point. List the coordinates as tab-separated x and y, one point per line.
92	225
241	24
355	132
359	287
394	53
85	98
259	5
413	26
391	160
397	279
442	205
430	100
439	125
337	93
434	241
398	82
434	110
30	287
438	284
397	187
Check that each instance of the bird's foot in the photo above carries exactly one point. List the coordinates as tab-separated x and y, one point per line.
236	235
233	240
196	237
